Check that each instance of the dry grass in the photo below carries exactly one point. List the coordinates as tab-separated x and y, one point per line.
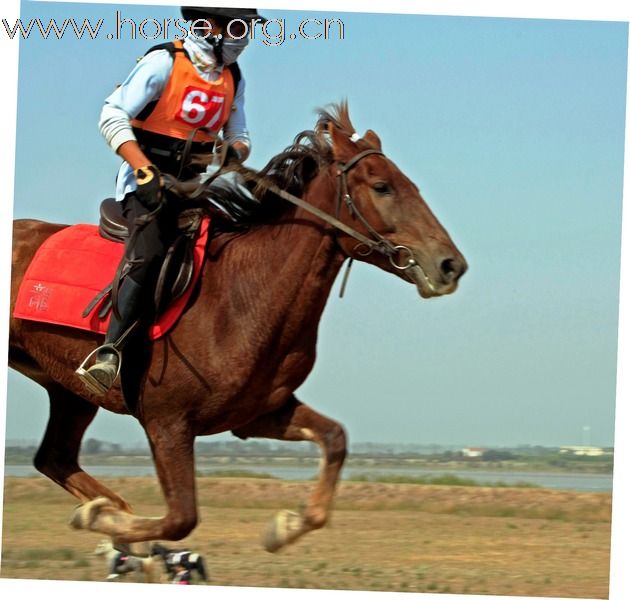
384	537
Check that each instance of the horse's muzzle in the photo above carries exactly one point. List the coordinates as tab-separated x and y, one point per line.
440	277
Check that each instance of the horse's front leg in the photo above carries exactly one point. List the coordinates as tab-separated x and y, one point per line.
173	454
297	422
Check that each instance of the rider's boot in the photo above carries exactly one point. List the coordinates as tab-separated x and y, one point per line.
100	377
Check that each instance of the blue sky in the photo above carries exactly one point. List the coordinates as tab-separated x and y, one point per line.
514	131
512	128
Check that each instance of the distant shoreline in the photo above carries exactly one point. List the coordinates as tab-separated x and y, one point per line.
305	469
358	462
351	462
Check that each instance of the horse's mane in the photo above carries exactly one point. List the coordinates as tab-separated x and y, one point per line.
291	170
311	150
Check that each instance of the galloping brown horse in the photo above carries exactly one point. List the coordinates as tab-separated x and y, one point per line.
248	339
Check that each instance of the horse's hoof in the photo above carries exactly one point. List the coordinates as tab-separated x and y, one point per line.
284	529
85	514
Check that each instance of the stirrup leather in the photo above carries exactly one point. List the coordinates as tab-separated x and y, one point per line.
93	384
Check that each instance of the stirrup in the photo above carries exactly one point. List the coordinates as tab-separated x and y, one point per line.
93	384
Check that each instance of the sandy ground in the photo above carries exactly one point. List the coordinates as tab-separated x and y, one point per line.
382	537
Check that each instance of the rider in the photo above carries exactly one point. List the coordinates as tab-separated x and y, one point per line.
174	103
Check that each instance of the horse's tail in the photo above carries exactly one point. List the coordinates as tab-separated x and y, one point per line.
201	568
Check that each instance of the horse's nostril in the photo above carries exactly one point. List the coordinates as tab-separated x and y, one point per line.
451	268
448	268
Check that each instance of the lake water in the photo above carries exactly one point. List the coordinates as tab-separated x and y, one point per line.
587	482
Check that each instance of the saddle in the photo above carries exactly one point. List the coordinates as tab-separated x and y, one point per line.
177	270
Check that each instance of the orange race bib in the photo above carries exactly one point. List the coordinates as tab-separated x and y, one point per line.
200	108
189	102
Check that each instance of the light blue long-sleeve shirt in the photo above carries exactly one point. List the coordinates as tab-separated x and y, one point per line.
145	84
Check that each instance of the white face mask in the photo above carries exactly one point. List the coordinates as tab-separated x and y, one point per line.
209	44
232	49
201	53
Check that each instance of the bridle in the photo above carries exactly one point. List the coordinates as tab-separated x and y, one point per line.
365	246
378	243
375	243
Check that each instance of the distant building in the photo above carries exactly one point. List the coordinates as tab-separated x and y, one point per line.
583	451
473	452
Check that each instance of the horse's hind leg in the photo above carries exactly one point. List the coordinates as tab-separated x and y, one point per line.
57	457
297	422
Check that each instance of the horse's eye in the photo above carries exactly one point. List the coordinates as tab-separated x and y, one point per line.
382	188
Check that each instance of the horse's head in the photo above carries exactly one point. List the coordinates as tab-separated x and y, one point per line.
379	201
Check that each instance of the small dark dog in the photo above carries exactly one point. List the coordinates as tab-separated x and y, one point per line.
191	561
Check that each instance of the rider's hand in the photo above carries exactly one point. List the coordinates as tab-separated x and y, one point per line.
149	187
232	155
237	151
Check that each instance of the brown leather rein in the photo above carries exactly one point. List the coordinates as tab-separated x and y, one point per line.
366	244
376	243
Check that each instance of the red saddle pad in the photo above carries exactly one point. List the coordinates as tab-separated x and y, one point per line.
72	266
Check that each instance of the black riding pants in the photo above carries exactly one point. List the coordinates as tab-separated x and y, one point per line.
150	243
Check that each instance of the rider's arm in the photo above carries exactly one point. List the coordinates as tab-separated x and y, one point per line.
235	130
131	153
144	84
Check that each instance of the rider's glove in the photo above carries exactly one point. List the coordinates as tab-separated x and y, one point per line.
232	155
149	187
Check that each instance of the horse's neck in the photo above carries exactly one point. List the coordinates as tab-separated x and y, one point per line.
283	273
298	261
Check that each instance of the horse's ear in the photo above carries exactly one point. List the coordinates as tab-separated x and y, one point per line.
371	138
343	147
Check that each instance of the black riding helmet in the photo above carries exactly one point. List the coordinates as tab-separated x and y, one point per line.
236	21
192	13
